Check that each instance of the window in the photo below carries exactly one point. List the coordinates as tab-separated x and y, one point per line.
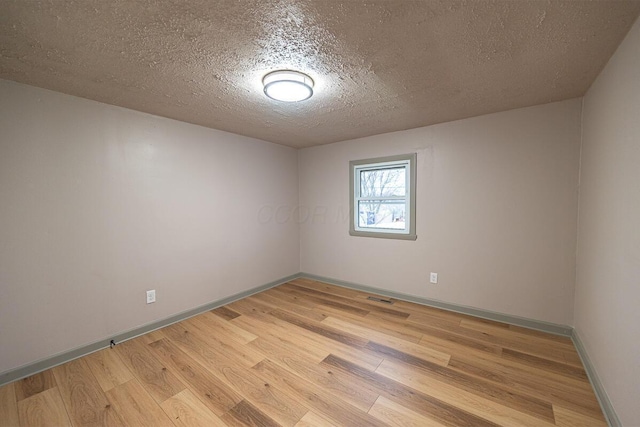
383	197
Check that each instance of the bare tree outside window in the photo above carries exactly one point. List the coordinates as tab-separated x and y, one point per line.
382	193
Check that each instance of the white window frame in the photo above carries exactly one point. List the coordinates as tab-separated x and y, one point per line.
408	161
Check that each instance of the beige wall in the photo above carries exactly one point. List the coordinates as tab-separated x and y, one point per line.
496	213
99	204
607	309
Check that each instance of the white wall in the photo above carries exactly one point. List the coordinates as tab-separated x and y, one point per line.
100	203
607	309
496	213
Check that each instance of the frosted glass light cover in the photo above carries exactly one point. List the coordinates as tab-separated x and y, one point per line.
288	86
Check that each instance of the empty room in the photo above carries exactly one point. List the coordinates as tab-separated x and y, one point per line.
319	213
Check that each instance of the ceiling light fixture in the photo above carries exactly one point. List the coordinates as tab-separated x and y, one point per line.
287	86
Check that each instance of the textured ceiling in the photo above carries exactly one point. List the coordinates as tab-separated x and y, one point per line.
379	66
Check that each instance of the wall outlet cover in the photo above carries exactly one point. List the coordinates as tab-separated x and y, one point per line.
151	296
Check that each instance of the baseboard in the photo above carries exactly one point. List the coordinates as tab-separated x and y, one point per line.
539	325
601	394
58	359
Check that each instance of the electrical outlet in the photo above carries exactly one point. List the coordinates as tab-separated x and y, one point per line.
151	296
433	278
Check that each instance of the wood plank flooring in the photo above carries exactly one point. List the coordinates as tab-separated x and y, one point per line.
307	353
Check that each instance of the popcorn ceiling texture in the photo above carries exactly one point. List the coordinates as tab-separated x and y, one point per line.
379	66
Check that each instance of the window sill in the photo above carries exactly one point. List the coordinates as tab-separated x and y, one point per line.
396	236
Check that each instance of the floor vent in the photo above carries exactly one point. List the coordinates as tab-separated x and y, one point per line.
376	299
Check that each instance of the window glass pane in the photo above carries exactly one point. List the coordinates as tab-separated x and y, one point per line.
383	182
381	214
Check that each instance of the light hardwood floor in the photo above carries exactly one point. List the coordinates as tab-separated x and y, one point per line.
311	354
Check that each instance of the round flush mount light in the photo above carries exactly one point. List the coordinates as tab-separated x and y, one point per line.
287	86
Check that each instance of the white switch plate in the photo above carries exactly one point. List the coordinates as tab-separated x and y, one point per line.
151	296
433	278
